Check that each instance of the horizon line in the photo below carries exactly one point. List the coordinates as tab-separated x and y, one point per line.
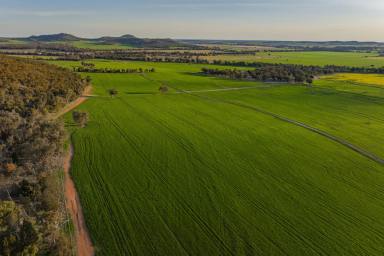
198	39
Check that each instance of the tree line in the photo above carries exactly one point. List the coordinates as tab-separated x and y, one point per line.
265	74
38	46
284	72
327	69
113	70
31	151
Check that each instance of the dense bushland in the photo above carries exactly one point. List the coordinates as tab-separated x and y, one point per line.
31	150
27	86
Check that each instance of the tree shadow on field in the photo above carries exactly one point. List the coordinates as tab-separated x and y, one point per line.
212	77
194	74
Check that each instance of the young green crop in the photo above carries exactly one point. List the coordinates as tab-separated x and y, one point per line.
192	174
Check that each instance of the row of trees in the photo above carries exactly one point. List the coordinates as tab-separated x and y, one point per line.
265	74
174	58
328	69
284	72
113	70
31	150
39	46
87	64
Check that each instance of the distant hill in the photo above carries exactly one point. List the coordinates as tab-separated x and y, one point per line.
125	40
62	37
140	42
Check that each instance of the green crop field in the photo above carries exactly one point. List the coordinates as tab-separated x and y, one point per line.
309	58
221	167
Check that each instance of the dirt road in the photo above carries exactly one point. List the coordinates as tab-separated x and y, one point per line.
86	94
83	242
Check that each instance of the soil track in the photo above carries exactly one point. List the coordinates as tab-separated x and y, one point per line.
86	94
83	242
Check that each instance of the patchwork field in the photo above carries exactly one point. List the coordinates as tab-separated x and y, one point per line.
367	79
98	46
309	58
221	167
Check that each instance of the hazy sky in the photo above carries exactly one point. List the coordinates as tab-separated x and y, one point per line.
211	19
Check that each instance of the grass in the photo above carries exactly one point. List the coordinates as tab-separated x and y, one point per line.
98	46
11	41
193	174
367	79
310	58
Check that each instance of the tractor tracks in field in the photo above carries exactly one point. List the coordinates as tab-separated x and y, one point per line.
325	134
320	132
151	166
341	141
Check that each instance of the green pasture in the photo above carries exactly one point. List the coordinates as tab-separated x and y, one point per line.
204	173
358	59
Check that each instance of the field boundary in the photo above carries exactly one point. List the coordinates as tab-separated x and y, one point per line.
327	135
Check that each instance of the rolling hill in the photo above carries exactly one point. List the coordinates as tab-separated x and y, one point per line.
62	37
122	42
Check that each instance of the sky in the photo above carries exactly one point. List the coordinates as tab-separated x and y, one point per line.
318	20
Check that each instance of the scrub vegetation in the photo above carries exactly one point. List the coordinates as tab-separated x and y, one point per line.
33	218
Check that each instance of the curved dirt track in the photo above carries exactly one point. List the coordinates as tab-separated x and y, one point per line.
83	242
84	245
86	94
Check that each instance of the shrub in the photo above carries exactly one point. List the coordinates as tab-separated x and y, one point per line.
163	89
113	92
10	168
51	192
80	118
